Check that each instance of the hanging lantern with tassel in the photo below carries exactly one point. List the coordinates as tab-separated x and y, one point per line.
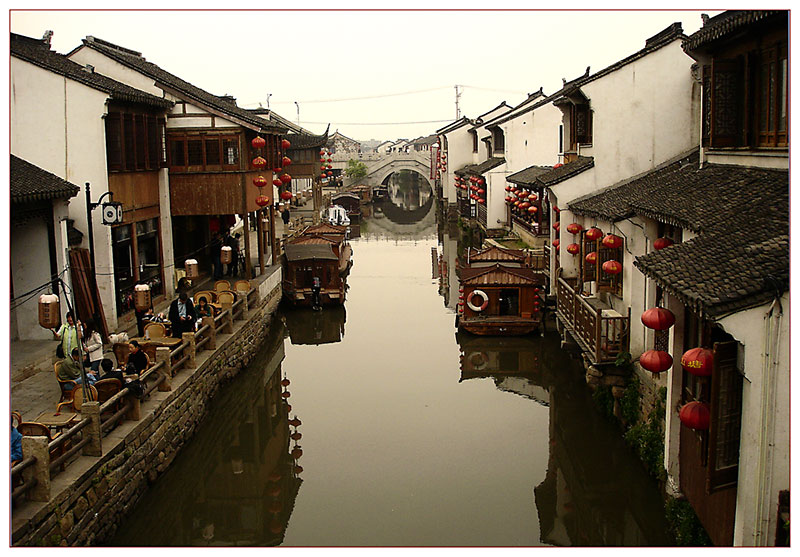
698	361
659	319
192	269
695	415
49	311
141	297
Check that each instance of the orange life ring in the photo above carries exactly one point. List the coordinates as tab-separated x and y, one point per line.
483	304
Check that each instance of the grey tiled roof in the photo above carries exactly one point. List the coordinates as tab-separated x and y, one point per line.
37	52
136	61
564	172
485	166
741	216
527	177
30	183
463	121
727	23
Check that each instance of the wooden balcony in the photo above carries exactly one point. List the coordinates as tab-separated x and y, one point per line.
600	331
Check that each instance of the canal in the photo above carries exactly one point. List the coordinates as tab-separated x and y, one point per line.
410	435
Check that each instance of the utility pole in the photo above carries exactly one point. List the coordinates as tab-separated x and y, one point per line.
298	112
458	96
268	96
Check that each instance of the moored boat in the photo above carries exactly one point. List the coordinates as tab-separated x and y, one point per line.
502	292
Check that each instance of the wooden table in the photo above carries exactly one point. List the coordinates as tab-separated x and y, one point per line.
56	420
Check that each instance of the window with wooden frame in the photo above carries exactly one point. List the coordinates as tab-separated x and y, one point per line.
580	125
133	140
272	151
203	152
474	141
594	272
745	100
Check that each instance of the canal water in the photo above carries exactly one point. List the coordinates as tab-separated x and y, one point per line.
410	434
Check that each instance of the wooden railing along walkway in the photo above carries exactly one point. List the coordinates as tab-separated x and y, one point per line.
34	472
601	332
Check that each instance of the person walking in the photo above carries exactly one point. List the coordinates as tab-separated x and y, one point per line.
216	250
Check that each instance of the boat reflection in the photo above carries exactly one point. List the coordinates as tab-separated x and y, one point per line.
237	481
306	326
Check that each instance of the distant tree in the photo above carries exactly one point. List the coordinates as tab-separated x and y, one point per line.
355	169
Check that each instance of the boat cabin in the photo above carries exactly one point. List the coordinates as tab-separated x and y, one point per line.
305	262
337	215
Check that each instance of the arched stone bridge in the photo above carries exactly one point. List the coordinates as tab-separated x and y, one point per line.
380	167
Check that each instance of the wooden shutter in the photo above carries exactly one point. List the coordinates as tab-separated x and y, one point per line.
726	418
153	144
140	135
588	271
726	103
583	123
114	140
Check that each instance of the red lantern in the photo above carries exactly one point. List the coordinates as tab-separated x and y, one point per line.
259	181
481	191
558	165
556	226
695	415
297	452
662	243
296	436
556	209
330	173
285	382
594	234
480	181
285	143
330	160
258	142
276	182
573	249
298	469
612	267
286	161
556	243
295	422
612	241
481	200
277	170
574	228
698	361
508	188
286	195
655	361
286	394
533	197
532	209
659	319
262	200
259	163
285	178
524	205
275	507
591	258
508	199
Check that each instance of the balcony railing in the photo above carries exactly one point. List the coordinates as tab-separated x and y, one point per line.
600	331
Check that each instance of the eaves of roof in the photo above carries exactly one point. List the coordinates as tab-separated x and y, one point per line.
37	52
726	23
564	172
29	183
527	177
179	87
463	121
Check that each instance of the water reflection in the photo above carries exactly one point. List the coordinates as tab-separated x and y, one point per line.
306	326
236	482
595	492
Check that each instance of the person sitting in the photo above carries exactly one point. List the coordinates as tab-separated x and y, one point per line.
137	357
70	369
93	347
16	444
109	372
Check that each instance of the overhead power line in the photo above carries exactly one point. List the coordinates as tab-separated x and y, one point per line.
360	98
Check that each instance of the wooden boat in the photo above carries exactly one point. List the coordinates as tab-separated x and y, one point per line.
502	292
305	262
320	251
351	203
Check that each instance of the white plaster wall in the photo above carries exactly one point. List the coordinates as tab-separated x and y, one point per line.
642	114
30	269
57	124
764	457
496	197
113	69
459	154
165	223
532	138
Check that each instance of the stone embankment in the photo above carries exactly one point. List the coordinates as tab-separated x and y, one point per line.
90	498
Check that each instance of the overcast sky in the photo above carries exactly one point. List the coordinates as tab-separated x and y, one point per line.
333	64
